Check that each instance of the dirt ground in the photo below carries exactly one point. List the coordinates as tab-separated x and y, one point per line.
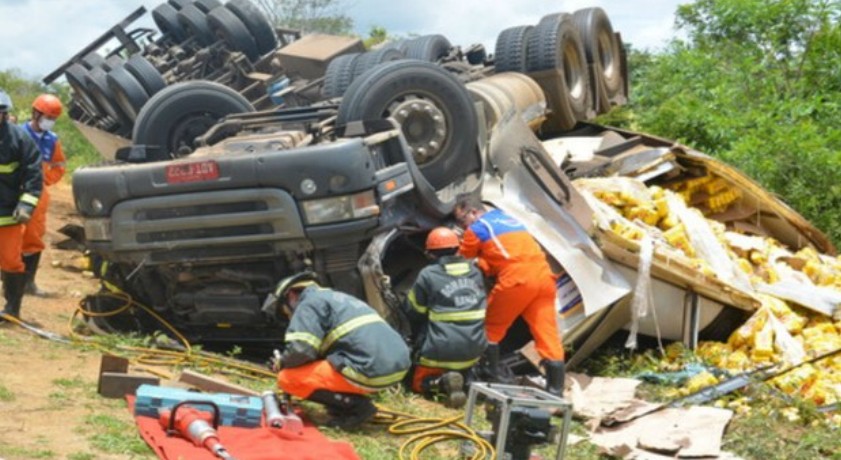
48	401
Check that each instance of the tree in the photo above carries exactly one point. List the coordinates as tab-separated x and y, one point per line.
757	83
325	16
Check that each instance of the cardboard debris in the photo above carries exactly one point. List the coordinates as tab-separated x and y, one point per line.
598	397
682	433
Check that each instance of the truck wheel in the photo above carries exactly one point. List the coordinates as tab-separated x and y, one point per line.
233	32
338	75
76	76
93	60
173	118
178	4
166	18
146	74
206	6
511	49
400	45
195	23
368	60
433	108
556	45
97	82
428	48
600	46
254	19
129	94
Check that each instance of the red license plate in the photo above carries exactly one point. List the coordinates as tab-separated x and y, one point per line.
192	172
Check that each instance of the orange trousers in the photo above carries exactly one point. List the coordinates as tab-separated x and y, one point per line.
11	244
36	228
302	381
534	300
422	372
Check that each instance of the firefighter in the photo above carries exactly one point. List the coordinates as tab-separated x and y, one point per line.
337	350
20	187
45	110
446	307
524	284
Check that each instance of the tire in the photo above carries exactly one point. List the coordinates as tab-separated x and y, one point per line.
511	51
256	22
424	99
195	23
166	18
129	94
178	4
399	45
370	59
93	60
146	74
227	26
338	75
174	117
600	46
97	83
206	6
429	48
113	62
555	45
76	76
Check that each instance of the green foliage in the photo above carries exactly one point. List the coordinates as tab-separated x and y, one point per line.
76	148
376	36
309	16
756	84
12	451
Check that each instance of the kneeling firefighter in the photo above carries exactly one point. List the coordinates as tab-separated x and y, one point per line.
446	307
337	350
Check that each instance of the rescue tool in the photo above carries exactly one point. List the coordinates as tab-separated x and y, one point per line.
195	425
281	415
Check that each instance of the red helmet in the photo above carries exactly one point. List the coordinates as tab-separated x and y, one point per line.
441	238
48	104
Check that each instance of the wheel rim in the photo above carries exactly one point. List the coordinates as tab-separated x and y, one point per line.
573	75
423	123
191	126
606	57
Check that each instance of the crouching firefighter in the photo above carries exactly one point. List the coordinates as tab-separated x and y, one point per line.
446	307
337	350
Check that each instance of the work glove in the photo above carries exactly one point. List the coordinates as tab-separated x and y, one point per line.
275	363
23	212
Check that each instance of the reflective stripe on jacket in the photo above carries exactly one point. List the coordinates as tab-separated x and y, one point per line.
447	307
349	334
21	178
505	248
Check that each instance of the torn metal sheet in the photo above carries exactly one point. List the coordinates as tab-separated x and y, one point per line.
554	212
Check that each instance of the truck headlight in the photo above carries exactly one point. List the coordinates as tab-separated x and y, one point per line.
98	229
339	208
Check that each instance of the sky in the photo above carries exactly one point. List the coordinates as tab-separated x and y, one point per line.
37	36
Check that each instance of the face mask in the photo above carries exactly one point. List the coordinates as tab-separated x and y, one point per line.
46	124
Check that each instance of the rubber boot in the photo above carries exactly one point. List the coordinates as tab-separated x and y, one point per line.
450	385
13	286
348	411
31	261
490	368
555	371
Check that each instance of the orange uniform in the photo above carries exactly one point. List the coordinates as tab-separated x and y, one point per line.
525	284
52	160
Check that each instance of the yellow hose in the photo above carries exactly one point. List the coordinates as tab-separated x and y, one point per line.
427	432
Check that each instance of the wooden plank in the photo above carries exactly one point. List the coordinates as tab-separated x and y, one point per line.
214	385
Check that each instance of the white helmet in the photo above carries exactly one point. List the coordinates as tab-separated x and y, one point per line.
5	102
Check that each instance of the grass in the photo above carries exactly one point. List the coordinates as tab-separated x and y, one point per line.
6	395
114	436
22	452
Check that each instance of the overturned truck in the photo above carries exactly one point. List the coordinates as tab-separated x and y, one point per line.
200	231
